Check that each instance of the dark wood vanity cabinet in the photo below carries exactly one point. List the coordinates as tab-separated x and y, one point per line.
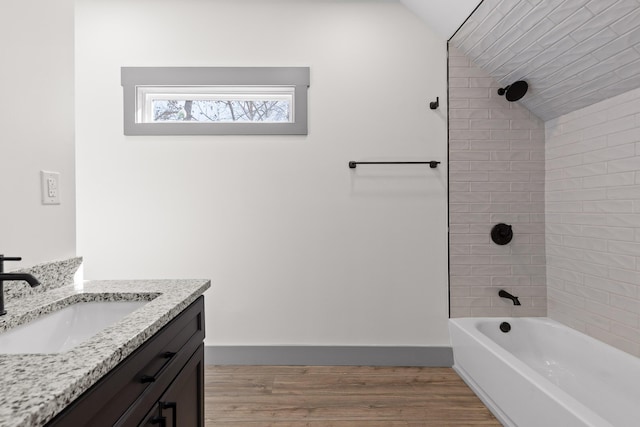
181	403
159	384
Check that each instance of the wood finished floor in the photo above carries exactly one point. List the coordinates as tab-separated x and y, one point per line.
340	396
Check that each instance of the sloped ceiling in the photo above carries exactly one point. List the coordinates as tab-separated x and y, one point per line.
573	53
443	16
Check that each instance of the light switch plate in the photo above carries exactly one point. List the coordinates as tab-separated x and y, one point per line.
50	182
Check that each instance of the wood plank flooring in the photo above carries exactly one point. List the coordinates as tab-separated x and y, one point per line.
340	396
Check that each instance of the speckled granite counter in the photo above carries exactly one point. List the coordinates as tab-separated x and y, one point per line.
36	387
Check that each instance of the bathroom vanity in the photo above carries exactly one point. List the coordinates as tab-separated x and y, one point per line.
145	369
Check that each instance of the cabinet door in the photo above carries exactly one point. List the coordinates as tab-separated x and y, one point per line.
154	418
182	404
121	398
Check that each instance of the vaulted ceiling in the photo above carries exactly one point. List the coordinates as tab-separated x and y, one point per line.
444	17
573	53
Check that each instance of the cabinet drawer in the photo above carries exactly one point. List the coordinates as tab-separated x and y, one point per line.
142	377
182	404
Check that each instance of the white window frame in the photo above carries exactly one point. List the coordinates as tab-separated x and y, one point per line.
143	84
146	95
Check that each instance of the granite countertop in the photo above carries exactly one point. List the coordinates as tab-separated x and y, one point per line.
36	387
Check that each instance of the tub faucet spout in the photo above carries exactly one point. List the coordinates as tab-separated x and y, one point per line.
505	294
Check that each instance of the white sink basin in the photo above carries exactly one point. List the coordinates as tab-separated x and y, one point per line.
64	329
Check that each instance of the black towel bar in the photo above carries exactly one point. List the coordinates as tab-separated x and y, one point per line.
432	163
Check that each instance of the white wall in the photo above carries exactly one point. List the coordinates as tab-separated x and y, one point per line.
36	118
300	248
444	17
593	221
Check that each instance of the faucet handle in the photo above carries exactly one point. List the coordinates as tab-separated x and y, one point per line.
7	258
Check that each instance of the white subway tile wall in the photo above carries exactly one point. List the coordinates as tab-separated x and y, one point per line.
593	220
572	53
496	173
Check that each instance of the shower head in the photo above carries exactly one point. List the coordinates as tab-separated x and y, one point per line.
515	91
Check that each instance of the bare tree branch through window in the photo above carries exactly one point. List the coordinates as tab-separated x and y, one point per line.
170	110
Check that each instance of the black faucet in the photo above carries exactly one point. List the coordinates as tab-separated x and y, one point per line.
505	294
12	276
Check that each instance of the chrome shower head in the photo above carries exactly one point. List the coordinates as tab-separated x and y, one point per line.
514	91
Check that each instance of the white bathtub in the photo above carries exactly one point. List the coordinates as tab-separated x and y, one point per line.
544	374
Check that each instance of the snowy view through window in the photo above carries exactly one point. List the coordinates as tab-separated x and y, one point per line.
217	111
215	100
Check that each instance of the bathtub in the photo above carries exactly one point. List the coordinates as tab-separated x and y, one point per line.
544	374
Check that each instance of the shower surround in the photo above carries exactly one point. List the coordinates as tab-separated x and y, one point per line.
496	174
593	220
581	249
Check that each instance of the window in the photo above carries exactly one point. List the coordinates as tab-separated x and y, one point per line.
215	100
215	104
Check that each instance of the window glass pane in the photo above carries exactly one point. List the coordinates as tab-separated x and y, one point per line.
215	104
216	111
